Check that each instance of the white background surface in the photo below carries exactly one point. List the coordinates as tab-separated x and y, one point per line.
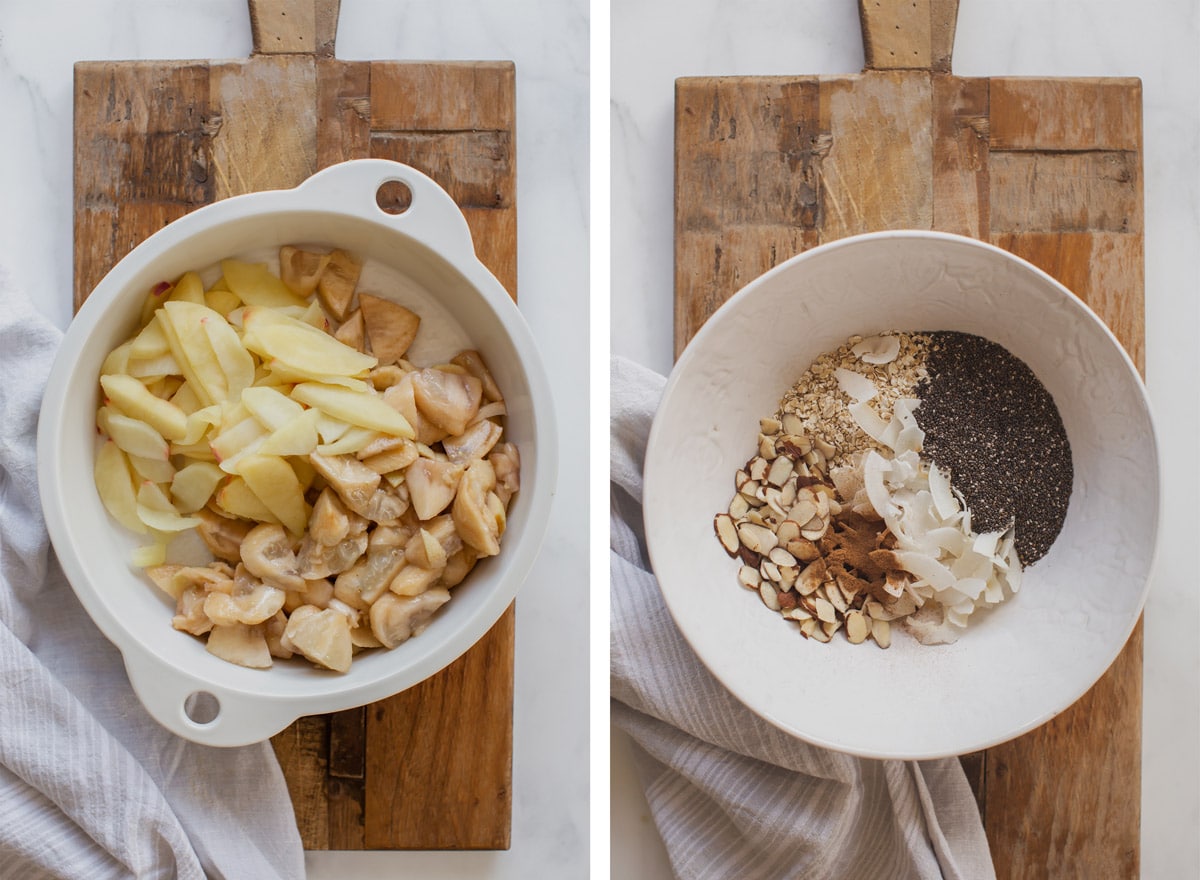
548	40
655	42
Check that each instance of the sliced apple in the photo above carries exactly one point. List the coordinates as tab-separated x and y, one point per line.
301	270
256	285
354	440
115	483
154	368
270	406
352	331
431	485
297	437
236	499
150	343
117	360
402	398
133	435
183	326
235	362
364	410
391	328
272	479
304	352
156	470
221	300
194	484
185	398
132	397
336	286
155	509
235	443
200	422
188	289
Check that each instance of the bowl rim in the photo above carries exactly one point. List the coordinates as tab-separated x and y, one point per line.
252	714
652	492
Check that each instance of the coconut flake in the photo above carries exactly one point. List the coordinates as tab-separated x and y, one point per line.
868	420
859	387
943	499
877	349
910	439
927	568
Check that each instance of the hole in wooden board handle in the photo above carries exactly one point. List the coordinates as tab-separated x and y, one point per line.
908	34
294	27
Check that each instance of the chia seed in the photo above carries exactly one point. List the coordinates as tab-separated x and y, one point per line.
990	422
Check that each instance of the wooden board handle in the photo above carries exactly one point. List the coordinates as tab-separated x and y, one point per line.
294	27
908	34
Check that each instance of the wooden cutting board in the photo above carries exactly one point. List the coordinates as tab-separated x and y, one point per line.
1050	169
430	768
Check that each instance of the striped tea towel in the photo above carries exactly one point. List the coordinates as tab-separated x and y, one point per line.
733	797
90	786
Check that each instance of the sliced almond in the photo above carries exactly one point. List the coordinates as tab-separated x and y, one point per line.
739	507
749	491
803	549
788	531
803	510
760	539
780	470
817	632
780	556
811	577
758	468
749	577
825	611
831	627
857	627
769	570
726	532
769	596
766	448
814	529
881	632
835	598
798	613
792	424
769	426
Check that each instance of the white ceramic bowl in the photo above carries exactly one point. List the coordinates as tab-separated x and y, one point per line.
1018	665
423	258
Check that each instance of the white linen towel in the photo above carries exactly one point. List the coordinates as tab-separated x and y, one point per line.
733	797
91	787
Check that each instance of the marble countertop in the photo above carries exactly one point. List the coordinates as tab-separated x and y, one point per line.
653	43
548	40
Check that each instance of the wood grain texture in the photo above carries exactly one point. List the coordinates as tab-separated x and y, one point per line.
903	34
1048	169
427	790
288	27
430	768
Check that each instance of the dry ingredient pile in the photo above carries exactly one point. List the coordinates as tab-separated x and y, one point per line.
905	477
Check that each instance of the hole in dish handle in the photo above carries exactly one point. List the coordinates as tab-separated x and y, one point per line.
202	711
397	194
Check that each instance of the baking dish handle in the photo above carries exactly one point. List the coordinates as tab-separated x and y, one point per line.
430	216
203	711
